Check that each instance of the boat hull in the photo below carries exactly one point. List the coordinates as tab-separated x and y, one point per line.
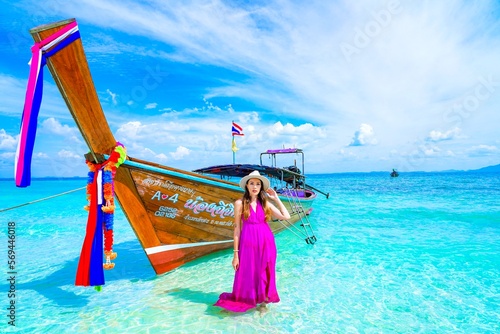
192	215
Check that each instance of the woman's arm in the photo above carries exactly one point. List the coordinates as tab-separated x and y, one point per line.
237	231
279	212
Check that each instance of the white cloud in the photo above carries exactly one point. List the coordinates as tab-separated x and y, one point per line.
364	136
161	157
53	126
113	96
347	154
289	128
41	155
436	135
151	106
430	151
7	142
68	155
483	150
152	131
180	153
130	130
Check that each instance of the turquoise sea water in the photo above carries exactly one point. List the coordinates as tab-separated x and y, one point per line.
414	254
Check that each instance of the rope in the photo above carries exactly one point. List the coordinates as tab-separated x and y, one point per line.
42	199
289	228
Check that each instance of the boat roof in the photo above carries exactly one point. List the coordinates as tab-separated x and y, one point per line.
283	150
240	170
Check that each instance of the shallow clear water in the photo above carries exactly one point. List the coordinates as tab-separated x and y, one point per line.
419	253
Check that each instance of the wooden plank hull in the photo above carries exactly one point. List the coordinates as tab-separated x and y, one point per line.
177	215
191	214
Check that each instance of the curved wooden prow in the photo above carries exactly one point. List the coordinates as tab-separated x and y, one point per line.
71	73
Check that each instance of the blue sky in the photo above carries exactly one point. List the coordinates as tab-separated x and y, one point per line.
359	85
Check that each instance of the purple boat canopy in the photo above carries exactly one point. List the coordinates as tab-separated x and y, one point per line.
284	150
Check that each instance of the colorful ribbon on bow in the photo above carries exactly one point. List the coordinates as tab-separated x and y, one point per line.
89	271
40	52
100	194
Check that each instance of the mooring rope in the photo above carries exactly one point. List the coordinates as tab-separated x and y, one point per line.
42	199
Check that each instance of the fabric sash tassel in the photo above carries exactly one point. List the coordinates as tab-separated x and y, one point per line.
90	271
40	52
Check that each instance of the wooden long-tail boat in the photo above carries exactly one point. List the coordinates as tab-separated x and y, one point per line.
177	215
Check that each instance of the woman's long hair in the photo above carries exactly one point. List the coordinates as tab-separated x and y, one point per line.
261	197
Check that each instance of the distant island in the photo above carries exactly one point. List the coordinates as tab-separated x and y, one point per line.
489	169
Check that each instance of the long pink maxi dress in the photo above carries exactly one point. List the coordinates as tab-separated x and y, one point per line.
255	279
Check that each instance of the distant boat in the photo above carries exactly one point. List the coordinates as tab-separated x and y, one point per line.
394	173
178	216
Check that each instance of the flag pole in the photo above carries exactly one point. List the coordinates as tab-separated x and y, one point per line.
236	130
232	145
234	153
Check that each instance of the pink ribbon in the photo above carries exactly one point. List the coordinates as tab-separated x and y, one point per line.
33	100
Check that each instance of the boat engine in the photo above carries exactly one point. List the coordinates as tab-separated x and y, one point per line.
292	179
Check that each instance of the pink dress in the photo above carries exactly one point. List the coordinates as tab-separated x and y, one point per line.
255	279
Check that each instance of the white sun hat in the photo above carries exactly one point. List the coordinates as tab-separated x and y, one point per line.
254	175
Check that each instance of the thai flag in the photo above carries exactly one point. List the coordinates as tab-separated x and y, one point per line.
237	130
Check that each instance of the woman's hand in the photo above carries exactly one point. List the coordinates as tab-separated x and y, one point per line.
272	194
279	212
236	261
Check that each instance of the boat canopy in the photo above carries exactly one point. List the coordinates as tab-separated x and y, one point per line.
283	150
240	170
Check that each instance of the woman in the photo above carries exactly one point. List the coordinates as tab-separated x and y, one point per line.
255	253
